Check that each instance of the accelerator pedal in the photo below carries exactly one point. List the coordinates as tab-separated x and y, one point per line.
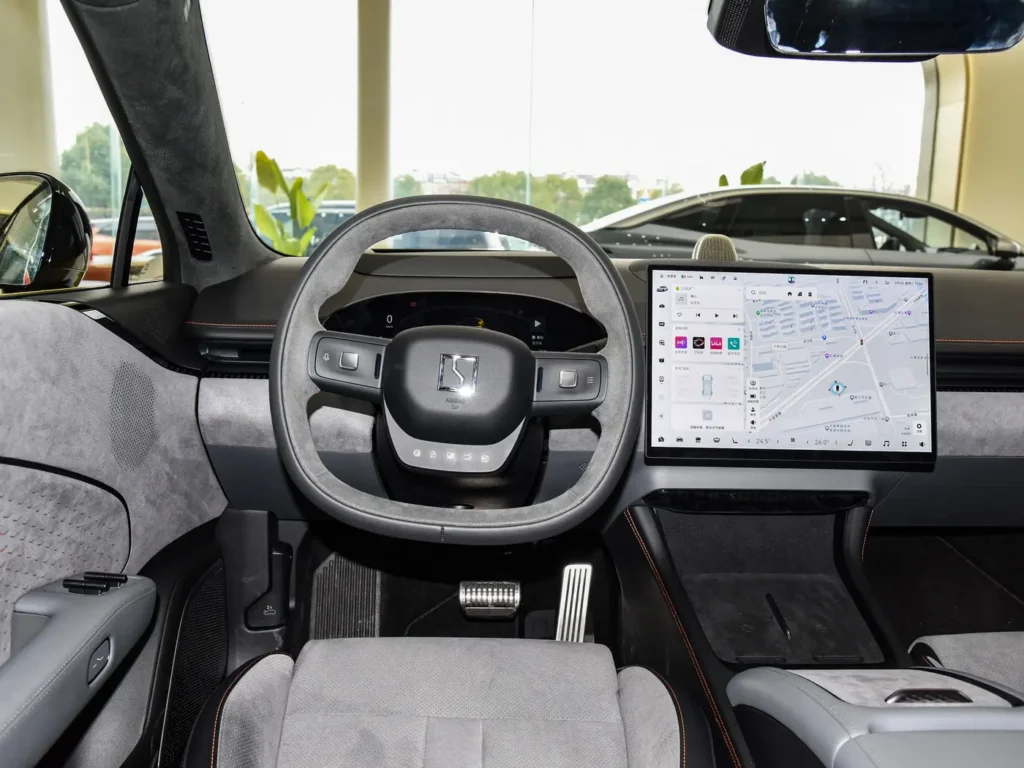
572	610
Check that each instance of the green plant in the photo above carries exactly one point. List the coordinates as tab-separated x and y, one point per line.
301	209
752	175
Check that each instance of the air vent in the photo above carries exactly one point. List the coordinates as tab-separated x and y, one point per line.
928	696
195	234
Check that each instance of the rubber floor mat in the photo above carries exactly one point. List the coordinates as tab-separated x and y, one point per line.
345	600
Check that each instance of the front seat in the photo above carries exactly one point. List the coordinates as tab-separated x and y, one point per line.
441	703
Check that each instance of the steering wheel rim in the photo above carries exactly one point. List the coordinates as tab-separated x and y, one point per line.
292	382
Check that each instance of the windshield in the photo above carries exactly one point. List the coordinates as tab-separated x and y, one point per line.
583	108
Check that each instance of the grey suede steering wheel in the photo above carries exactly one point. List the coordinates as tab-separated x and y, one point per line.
306	359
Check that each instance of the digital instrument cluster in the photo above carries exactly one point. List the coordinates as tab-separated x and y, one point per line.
538	323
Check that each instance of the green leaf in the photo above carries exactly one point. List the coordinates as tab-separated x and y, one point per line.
754	174
281	182
723	181
304	241
289	246
293	193
267	225
265	172
318	198
304	209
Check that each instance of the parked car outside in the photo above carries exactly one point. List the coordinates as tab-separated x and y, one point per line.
808	225
333	213
104	232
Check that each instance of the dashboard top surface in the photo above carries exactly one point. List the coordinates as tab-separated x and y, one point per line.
977	312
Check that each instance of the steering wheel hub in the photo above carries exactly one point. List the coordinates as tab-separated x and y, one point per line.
458	385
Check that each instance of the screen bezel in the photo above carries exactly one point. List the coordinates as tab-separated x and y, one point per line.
883	460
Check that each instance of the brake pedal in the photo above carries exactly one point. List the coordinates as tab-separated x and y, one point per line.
489	599
572	609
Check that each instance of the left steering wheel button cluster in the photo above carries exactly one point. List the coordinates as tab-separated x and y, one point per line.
347	366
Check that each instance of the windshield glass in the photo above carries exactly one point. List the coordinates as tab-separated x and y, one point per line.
581	107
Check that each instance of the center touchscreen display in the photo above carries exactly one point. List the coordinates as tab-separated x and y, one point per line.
824	365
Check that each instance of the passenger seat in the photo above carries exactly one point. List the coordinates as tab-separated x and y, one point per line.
995	656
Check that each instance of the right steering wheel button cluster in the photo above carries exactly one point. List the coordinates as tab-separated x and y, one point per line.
568	383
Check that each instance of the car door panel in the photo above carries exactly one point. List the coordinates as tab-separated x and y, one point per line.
71	645
52	525
123	421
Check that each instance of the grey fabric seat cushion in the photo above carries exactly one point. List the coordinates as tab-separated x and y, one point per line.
995	656
449	703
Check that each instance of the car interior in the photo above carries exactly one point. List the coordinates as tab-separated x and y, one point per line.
444	507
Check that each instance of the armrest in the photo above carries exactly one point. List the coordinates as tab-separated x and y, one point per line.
68	646
842	734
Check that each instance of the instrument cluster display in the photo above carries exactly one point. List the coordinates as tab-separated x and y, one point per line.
538	323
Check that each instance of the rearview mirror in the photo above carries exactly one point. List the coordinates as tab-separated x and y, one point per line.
866	29
893	28
45	237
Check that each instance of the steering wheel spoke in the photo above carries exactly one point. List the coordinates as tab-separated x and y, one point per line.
347	364
569	382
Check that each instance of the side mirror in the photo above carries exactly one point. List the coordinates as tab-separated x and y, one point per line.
1008	249
45	236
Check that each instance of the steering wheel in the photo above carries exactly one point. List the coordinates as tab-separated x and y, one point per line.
456	399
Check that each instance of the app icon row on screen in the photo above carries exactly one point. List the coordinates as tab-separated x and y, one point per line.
715	342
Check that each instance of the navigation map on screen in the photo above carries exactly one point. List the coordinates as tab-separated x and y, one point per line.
774	361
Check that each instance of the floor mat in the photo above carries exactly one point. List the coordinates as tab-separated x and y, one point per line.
345	600
926	586
416	608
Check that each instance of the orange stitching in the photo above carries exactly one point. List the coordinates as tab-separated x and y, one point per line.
864	544
232	325
689	648
980	341
216	717
679	710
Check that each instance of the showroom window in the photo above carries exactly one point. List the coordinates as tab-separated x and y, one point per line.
603	105
580	107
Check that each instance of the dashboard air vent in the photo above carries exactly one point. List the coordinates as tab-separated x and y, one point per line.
195	235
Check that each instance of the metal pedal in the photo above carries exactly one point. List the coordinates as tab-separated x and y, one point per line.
572	609
489	599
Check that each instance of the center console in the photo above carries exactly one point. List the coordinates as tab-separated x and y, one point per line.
875	718
773	393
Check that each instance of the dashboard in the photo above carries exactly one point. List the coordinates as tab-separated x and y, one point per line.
541	324
979	365
823	365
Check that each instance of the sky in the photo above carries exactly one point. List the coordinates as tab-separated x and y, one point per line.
636	87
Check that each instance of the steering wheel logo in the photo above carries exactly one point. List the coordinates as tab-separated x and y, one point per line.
458	373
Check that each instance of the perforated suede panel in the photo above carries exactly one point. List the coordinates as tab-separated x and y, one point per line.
53	526
78	398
